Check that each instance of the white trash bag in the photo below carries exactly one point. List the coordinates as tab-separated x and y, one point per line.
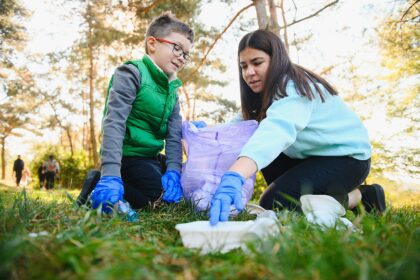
324	211
226	236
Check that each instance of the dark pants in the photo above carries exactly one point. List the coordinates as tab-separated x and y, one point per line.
41	180
49	176
18	177
142	180
288	179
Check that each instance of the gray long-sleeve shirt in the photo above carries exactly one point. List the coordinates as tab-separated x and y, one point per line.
126	83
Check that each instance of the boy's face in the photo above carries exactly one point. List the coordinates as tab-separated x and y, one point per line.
169	52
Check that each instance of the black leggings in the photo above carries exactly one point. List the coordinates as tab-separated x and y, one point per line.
142	179
288	179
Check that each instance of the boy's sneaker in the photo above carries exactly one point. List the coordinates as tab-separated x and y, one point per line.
89	184
373	198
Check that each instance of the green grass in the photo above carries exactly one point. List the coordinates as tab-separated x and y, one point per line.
83	245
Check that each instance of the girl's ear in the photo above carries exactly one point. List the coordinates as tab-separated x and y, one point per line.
151	44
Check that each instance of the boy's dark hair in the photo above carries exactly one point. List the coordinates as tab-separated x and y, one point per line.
166	24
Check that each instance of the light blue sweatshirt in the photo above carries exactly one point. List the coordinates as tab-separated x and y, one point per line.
301	128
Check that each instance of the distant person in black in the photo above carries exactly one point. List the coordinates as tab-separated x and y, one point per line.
18	167
42	172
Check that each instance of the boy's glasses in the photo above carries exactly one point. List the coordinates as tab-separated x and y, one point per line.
176	49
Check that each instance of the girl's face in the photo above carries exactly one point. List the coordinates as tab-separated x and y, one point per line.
254	65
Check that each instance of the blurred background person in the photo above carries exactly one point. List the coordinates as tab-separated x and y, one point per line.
18	167
52	171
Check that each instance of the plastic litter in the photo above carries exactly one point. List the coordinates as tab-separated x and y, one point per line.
211	151
254	209
38	234
325	211
124	208
226	236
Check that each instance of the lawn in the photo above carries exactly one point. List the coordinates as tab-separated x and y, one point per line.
46	236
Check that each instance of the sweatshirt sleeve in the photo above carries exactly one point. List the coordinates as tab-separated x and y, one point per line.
173	146
122	94
285	118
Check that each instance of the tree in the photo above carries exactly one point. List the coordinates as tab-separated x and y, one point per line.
16	110
86	56
12	32
399	37
16	83
12	37
57	118
264	22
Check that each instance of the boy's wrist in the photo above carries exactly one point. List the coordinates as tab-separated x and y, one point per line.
111	169
174	166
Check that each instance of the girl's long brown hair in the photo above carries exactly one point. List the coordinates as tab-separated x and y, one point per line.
280	71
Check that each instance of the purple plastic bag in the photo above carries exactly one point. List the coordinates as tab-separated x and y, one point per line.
211	151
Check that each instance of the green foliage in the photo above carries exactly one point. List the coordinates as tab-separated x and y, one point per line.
399	41
80	244
259	187
12	32
18	107
18	100
399	36
382	159
73	169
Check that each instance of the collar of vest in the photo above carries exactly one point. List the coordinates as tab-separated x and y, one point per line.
158	75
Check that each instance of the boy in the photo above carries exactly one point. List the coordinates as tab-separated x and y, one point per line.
141	112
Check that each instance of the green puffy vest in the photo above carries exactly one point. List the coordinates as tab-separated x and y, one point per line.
146	126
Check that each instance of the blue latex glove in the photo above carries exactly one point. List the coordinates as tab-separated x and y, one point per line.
171	183
108	191
228	192
199	124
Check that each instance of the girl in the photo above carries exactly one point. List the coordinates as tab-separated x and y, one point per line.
308	140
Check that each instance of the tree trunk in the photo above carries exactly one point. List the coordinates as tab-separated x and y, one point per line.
3	158
68	132
92	136
188	101
274	22
283	15
193	110
66	129
92	109
85	118
261	13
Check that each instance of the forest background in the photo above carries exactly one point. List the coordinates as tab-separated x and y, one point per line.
56	58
